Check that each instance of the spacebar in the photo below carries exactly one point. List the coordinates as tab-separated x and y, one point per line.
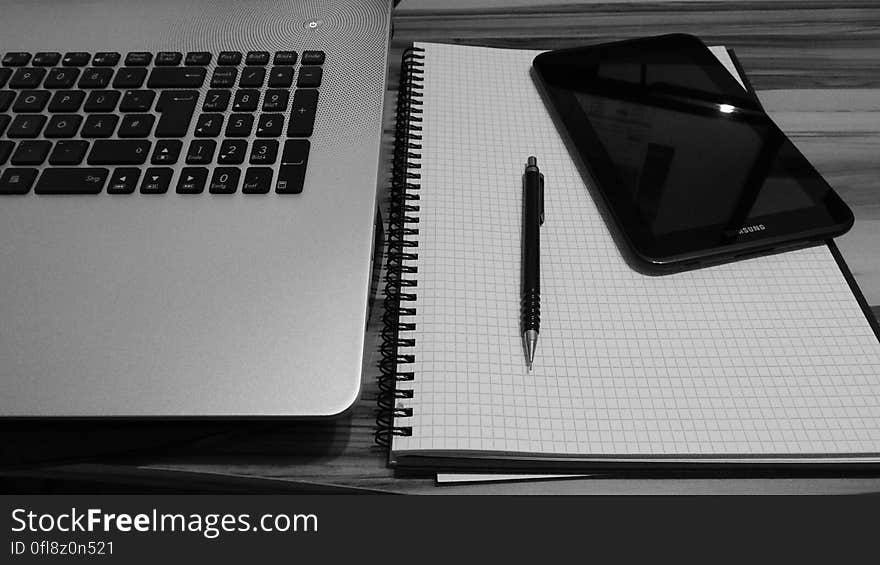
71	181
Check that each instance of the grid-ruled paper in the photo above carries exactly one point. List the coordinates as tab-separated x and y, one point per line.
766	357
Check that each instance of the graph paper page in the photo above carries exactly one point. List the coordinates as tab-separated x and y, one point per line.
770	356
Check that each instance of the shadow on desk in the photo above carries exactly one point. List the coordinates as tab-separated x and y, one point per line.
31	449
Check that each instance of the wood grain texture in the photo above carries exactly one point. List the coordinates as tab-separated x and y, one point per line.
816	65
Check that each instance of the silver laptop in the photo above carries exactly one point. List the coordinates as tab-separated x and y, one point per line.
187	204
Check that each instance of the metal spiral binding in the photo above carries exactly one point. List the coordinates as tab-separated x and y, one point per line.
399	288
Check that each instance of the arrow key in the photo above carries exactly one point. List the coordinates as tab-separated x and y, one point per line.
156	180
124	180
167	152
192	180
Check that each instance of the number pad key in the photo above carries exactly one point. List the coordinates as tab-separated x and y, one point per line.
216	101
224	181
257	180
240	125
209	125
276	101
264	152
246	100
270	125
232	152
201	152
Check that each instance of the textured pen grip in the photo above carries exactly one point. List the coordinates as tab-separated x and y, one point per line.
530	310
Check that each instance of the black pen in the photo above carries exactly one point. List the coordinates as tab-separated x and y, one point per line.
533	217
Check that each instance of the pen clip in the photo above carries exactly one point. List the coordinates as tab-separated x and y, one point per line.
540	199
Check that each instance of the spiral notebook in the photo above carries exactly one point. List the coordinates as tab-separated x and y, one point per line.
768	361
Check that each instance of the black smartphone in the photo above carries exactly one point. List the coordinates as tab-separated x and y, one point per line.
690	165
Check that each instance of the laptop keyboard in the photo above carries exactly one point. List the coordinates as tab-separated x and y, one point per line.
87	123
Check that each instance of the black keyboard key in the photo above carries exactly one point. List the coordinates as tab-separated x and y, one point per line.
76	59
168	58
95	77
264	152
240	125
102	101
100	125
138	59
4	121
270	125
229	58
224	77
284	58
167	152
257	58
31	153
177	107
129	77
198	58
216	101
119	152
47	59
257	180
17	181
224	180
31	101
246	100
16	59
106	59
276	101
69	152
309	76
156	180
136	125
137	101
124	180
302	115
281	77
5	150
232	152
27	77
63	125
201	152
67	101
177	77
26	126
292	173
209	125
192	180
61	78
313	58
6	98
72	181
4	76
252	77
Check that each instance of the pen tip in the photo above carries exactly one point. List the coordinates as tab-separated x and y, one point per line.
530	367
533	161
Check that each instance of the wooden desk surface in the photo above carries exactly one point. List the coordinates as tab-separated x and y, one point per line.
816	66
